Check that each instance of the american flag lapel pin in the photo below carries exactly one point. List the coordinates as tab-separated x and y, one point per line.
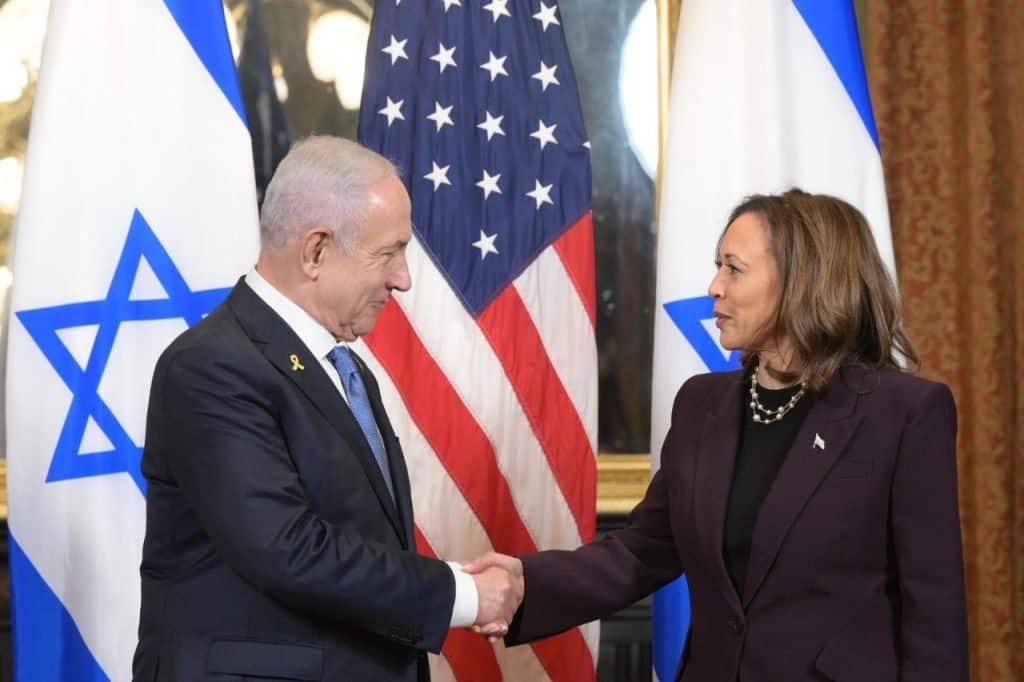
819	442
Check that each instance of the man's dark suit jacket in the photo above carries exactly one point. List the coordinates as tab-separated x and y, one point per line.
856	568
273	549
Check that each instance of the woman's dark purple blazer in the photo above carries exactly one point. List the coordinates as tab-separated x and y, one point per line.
856	567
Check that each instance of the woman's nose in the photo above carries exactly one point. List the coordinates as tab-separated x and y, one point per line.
715	289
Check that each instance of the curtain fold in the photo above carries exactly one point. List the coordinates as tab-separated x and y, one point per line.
947	79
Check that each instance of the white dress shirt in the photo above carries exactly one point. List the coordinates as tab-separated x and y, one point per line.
320	343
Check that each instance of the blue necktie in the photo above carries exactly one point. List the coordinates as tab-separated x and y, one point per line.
359	403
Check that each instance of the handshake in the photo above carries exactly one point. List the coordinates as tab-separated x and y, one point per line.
500	587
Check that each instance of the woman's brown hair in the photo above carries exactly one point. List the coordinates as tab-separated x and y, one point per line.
836	301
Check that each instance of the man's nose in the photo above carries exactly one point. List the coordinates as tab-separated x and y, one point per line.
401	279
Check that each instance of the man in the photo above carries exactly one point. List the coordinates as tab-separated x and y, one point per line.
279	530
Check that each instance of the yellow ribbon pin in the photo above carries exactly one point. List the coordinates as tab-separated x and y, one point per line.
296	365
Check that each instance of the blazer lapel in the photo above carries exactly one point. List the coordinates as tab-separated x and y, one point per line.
825	433
716	456
292	358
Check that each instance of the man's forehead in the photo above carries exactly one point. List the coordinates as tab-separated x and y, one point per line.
389	189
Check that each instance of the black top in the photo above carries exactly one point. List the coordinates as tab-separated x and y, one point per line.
762	450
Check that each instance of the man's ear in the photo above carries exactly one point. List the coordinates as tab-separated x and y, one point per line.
315	245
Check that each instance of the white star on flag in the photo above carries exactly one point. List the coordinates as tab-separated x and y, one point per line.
438	176
393	110
545	134
587	144
492	125
536	202
495	66
489	184
546	75
486	244
541	194
444	57
396	49
546	16
498	8
448	4
441	116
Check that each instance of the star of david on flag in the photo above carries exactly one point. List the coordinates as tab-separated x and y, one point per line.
138	211
43	325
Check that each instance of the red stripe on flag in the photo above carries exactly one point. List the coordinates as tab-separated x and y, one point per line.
451	430
465	452
576	249
508	326
470	656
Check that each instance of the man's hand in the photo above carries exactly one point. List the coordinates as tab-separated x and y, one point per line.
500	587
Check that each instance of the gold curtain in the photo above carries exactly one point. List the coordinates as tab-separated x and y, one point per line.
947	82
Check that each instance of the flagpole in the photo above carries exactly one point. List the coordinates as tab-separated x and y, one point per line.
664	83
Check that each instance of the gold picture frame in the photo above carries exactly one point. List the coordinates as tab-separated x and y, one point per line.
622	479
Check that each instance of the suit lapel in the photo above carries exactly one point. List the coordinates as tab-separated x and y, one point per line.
822	438
716	457
293	359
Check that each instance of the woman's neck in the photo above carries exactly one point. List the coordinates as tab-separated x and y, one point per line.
779	363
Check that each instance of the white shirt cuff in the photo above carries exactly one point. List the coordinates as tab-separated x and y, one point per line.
466	598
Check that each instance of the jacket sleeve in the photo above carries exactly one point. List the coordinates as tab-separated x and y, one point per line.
225	449
926	533
568	588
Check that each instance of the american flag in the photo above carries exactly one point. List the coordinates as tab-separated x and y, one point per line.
488	365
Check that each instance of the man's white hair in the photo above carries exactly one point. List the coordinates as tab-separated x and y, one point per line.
323	181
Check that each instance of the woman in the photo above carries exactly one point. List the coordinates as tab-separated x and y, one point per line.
810	497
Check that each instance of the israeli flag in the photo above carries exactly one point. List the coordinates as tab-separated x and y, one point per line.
765	96
138	213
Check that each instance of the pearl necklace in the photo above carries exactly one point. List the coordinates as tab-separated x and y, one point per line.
771	415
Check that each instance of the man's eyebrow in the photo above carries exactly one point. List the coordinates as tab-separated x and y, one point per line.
397	244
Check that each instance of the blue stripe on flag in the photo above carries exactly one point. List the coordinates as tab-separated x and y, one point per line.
671	618
202	22
47	644
834	25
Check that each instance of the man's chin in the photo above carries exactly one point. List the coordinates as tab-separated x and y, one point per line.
346	334
358	330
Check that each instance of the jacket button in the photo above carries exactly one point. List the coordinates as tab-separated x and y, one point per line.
736	626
